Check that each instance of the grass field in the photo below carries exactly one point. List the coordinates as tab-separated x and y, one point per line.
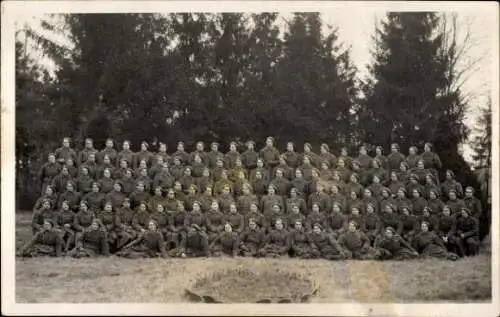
117	280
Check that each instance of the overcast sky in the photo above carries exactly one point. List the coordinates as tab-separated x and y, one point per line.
357	26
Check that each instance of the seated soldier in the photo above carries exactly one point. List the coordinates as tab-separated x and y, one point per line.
451	184
356	244
371	222
268	201
205	181
48	194
64	220
70	195
95	198
408	224
298	242
139	195
91	242
428	244
297	200
293	216
84	181
335	221
324	245
46	241
234	173
252	239
368	199
455	204
83	220
315	216
39	216
285	169
468	233
106	182
300	184
193	244
245	201
148	245
163	178
215	221
156	199
226	243
259	185
187	180
472	203
319	197
124	230
178	228
127	182
238	185
235	219
141	218
446	229
116	196
276	242
391	246
106	165
195	216
255	215
107	221
396	183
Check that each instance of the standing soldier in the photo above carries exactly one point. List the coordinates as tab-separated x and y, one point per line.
187	180
306	168
200	152
177	170
105	164
291	157
156	166
143	155
181	153
65	152
110	151
379	154
431	160
231	156
217	171
91	165
395	158
343	170
250	156
270	154
72	169
50	171
259	185
451	184
314	158
214	155
226	243
412	157
89	149
326	155
126	154
162	151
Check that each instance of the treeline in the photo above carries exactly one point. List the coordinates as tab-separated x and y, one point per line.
236	76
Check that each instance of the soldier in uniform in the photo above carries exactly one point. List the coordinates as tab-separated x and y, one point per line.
214	155
64	220
149	245
84	181
408	224
234	173
226	243
430	184
468	232
252	239
365	161
47	241
91	242
291	157
472	203
455	204
446	229
412	157
107	221
187	180
126	154
163	178
295	199
181	154
379	154
109	151
139	195
156	199
281	184
231	156
393	247
65	152
343	170
124	230
106	182
450	183
245	201
255	215
215	221
200	152
235	219
298	242
195	216
356	244
276	242
418	203
429	244
371	222
40	215
49	195
431	160
193	244
70	195
324	245
198	167
89	149
49	171
396	183
315	216
395	158
294	215
327	156
162	151
335	221
368	199
270	154
60	181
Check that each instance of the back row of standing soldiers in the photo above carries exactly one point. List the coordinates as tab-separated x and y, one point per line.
265	196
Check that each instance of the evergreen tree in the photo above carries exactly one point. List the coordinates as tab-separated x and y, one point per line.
482	141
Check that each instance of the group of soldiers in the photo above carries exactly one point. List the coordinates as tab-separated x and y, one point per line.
254	204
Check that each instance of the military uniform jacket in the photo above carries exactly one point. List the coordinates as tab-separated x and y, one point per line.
236	220
446	226
116	198
336	221
229	241
140	220
469	227
254	237
197	218
298	238
83	219
353	241
249	159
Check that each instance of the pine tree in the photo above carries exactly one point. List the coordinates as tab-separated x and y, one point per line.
482	141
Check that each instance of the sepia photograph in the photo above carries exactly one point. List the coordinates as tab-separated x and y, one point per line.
180	154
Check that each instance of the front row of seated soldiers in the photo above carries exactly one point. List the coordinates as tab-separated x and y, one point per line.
153	229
